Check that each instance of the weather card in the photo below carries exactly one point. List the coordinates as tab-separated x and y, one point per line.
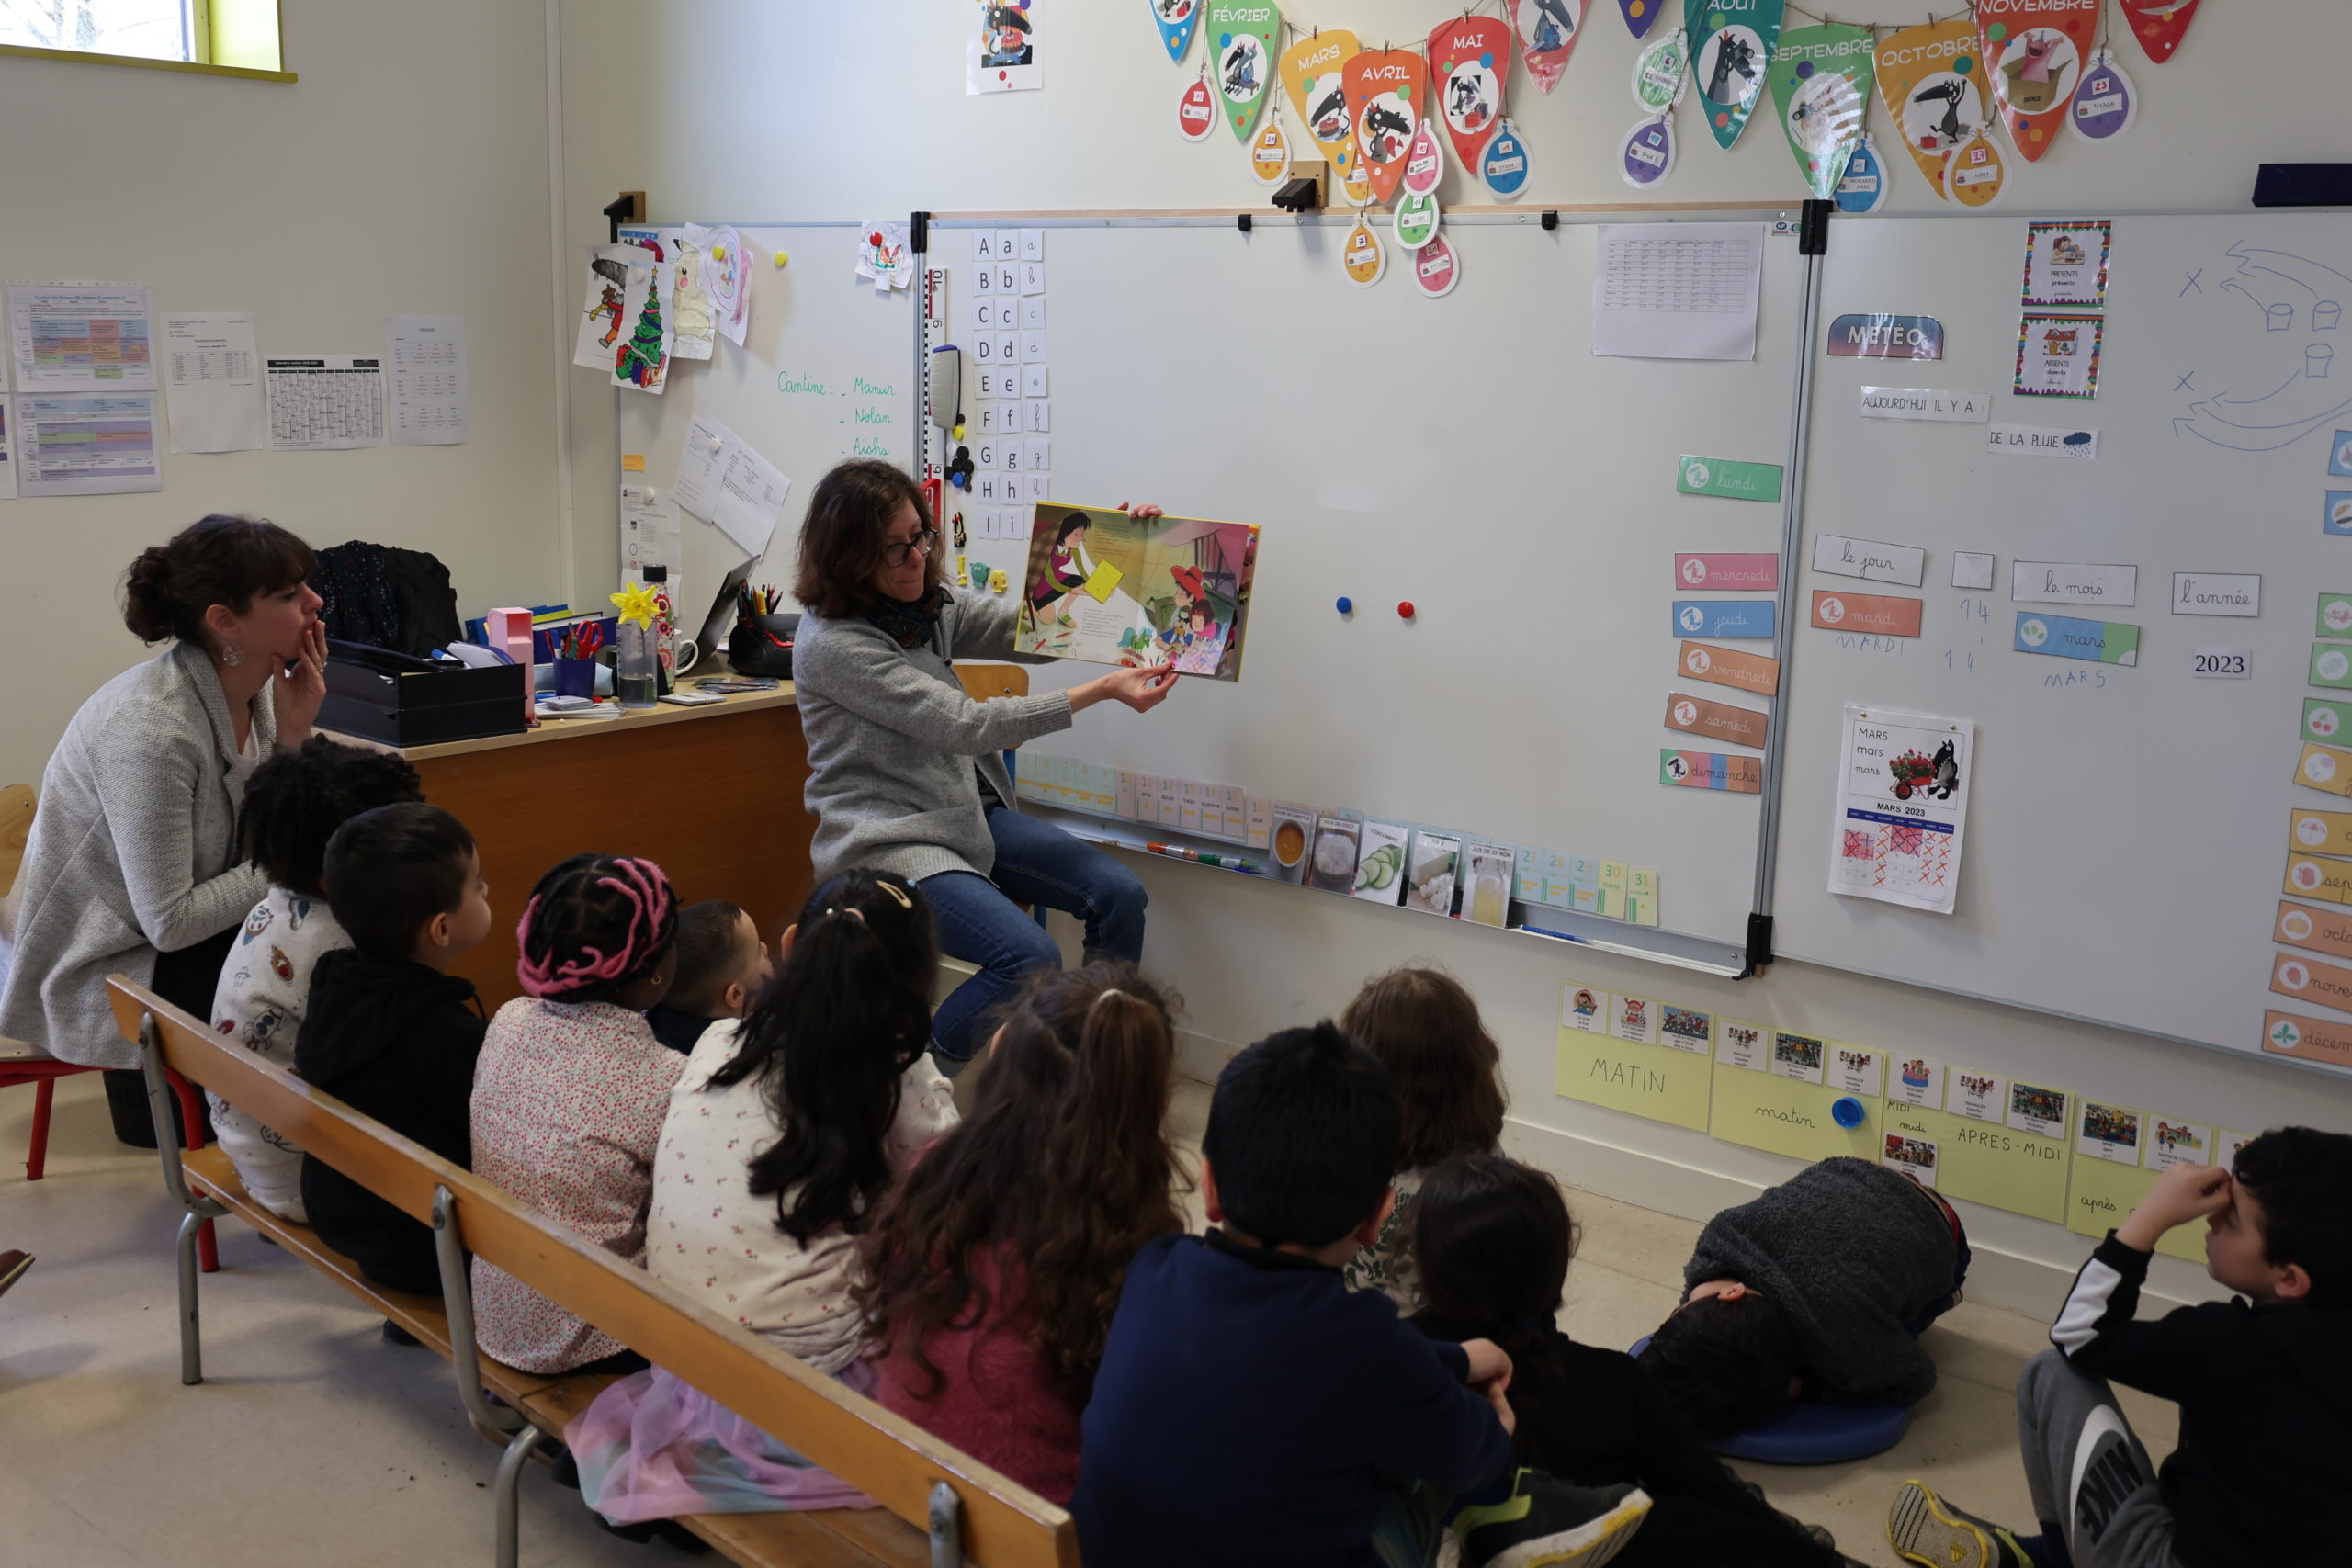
1180	594
1902	803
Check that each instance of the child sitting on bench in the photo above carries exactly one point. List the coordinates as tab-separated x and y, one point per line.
721	964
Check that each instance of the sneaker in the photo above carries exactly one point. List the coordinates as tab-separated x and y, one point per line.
1545	1521
395	1334
1924	1529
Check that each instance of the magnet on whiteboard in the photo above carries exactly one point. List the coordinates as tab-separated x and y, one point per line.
1347	607
1847	1111
716	444
781	258
652	496
1405	610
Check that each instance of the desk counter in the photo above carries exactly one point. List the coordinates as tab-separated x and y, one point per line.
711	795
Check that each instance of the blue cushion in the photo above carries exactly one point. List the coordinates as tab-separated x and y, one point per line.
1804	1432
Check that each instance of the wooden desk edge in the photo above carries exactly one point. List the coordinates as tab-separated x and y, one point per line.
554	730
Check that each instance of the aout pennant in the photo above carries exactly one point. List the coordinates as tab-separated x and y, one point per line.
1469	64
2034	52
1730	46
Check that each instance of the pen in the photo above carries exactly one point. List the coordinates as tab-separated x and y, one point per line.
1556	936
1202	857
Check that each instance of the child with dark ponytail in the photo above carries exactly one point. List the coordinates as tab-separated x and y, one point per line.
572	1090
995	1266
784	1132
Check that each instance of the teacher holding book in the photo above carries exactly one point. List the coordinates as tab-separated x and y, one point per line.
906	772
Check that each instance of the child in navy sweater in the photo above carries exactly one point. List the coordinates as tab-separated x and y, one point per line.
1250	1410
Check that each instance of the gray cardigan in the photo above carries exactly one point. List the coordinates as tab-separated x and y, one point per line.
133	851
896	750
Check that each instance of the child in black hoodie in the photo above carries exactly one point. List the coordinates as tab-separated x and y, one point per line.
1492	1238
388	1029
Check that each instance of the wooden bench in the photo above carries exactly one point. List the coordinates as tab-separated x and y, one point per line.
941	1503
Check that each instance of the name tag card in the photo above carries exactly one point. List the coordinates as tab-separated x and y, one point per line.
2216	594
1868	558
2072	582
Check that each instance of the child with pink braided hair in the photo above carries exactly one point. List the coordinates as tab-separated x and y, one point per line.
572	1090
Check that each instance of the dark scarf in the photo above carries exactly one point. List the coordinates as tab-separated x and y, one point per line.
908	622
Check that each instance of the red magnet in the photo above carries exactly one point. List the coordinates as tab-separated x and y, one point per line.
1405	609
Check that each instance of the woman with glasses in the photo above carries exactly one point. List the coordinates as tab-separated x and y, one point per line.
906	774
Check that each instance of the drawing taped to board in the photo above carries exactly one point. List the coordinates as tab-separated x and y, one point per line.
2281	314
1901	806
1000	46
1102	586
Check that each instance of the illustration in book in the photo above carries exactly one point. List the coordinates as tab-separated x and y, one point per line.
1108	588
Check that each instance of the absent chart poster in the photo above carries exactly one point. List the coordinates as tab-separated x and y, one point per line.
1902	803
1000	46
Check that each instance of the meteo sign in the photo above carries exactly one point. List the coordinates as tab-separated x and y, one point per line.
1886	337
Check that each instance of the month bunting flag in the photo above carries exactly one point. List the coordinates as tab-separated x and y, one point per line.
1641	13
1176	20
1385	89
1469	61
1244	34
1821	83
2033	53
1547	33
1730	46
1311	71
1931	80
2159	25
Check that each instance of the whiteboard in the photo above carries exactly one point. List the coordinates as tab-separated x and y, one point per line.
825	372
2127	832
1468	456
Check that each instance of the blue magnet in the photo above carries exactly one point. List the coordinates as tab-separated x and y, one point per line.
1847	1112
1347	607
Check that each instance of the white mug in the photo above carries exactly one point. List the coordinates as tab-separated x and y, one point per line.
683	657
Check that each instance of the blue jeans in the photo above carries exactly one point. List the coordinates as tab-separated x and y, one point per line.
1036	863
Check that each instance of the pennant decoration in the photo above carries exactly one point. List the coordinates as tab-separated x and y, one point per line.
1363	256
1662	72
1435	269
1641	13
1731	45
1244	58
1270	153
1176	20
1469	62
1504	165
1933	85
1821	82
1863	189
1416	220
1646	156
1975	173
1310	72
2159	25
2033	52
1547	33
1384	88
1197	110
2106	103
1424	161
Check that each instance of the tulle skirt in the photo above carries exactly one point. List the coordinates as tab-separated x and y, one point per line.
654	1448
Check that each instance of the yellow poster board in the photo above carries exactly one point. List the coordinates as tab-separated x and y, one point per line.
1789	1116
2104	1192
1656	1081
1987	1163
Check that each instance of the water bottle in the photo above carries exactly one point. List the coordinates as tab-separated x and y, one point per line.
635	662
666	629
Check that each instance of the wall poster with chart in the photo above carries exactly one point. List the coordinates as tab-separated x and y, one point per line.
1104	587
1902	800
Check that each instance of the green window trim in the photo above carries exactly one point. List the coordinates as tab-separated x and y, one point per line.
233	37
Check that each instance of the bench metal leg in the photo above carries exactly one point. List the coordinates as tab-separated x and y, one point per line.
207	1248
946	1527
508	1491
196	1223
36	1156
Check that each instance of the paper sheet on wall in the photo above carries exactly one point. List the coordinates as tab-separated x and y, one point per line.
87	443
213	381
7	450
650	535
430	401
81	336
726	278
325	402
601	324
723	481
1677	290
1902	801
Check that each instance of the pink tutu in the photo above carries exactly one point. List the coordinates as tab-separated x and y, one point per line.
654	1448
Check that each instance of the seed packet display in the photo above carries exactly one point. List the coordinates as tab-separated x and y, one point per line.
1746	1046
1334	864
1978	1097
1380	869
1432	862
2108	1133
2041	1110
1914	1157
1585	1008
1293	835
1917	1080
1488	869
1634	1019
1799	1056
1686	1029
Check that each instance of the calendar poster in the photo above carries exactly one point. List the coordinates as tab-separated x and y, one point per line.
1902	802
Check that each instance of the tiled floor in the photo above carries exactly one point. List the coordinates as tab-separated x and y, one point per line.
313	1442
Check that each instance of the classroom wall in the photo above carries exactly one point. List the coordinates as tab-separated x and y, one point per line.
742	110
407	172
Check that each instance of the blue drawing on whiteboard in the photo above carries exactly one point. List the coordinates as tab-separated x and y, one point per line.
2298	305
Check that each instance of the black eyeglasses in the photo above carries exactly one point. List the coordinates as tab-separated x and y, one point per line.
922	544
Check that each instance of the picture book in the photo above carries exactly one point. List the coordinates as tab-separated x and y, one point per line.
1104	587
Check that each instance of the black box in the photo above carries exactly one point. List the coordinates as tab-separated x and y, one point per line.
403	701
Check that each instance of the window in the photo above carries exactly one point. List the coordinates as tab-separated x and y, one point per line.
225	37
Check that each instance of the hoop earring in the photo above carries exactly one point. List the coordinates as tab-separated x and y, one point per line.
233	654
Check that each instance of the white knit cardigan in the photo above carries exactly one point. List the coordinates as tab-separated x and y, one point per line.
133	851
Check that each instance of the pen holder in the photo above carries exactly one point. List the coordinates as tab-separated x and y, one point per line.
761	645
575	677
